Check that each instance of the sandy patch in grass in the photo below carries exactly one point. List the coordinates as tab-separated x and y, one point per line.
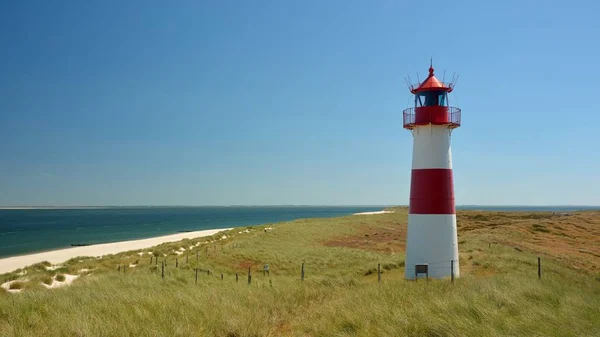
6	285
57	284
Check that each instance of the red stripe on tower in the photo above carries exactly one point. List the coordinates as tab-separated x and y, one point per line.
431	192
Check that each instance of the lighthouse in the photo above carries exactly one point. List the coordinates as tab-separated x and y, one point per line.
431	242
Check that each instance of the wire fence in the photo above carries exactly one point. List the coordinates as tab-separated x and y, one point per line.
437	269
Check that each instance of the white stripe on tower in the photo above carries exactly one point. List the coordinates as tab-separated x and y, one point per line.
432	235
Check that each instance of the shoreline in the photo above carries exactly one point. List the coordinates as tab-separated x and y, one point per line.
57	256
376	212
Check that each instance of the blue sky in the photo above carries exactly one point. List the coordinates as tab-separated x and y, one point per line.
281	102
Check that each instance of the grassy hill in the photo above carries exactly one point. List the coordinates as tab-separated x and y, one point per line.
498	293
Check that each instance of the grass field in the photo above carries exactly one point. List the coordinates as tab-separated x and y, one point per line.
498	293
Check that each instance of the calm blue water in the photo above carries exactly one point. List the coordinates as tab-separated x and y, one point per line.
27	231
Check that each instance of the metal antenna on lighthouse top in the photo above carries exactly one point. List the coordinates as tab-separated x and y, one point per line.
454	81
407	83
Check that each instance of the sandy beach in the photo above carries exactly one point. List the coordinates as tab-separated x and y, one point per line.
61	255
370	213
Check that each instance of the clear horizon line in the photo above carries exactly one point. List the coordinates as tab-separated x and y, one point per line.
286	205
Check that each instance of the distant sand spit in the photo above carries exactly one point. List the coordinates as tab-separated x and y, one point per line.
369	213
61	255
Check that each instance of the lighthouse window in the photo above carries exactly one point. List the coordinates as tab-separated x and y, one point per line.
431	98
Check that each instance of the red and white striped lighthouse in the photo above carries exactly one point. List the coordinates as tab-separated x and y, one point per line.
431	237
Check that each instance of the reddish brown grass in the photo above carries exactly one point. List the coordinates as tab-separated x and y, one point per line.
572	239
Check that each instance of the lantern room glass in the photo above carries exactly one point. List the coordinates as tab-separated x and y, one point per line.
431	98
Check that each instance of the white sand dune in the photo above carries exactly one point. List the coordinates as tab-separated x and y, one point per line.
61	255
6	285
56	284
369	213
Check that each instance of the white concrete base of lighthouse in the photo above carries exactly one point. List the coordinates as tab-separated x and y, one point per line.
432	240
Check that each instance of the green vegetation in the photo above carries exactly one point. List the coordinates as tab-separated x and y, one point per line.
497	294
16	285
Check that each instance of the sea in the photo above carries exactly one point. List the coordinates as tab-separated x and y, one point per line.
25	231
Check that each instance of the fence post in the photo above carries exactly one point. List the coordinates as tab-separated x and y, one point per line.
236	277
196	275
196	256
539	268
156	261
379	272
176	262
187	259
119	269
302	272
452	271
221	277
150	259
163	270
207	271
249	276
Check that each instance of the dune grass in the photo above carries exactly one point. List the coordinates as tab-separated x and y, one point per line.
498	293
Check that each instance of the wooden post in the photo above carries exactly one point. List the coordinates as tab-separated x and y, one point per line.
302	272
196	256
176	262
163	269
379	272
187	259
221	277
249	276
196	275
150	259
236	277
539	268
156	261
119	269
452	271
207	272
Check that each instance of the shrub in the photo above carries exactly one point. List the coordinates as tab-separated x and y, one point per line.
60	278
16	285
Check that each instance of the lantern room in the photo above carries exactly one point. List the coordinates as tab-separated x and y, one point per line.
431	104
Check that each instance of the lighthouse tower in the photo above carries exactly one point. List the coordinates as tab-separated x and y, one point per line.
431	237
